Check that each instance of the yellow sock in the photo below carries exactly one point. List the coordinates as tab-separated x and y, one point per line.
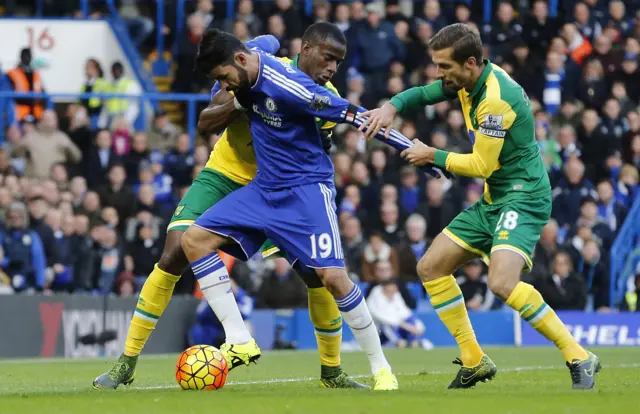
528	301
154	298
326	318
448	302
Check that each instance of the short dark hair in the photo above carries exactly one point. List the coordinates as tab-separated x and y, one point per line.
217	48
323	32
464	41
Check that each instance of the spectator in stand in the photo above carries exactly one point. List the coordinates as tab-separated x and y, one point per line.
433	16
24	78
47	146
180	161
556	83
245	14
95	83
115	107
614	125
277	28
186	80
63	229
100	160
282	289
377	250
409	190
503	31
353	245
139	154
376	46
610	210
117	193
593	88
589	27
441	205
38	209
163	133
594	270
121	133
539	29
291	19
389	309
107	256
579	47
413	247
91	207
563	289
525	66
143	252
594	144
204	9
619	20
391	225
626	185
569	192
546	249
589	218
23	257
474	287
341	17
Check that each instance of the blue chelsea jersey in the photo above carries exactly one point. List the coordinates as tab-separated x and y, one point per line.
284	104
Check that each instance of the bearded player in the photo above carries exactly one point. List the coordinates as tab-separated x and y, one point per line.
231	166
505	225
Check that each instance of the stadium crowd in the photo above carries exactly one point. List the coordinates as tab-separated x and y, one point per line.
86	208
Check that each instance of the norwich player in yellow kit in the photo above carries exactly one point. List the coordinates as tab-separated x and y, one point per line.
505	225
232	165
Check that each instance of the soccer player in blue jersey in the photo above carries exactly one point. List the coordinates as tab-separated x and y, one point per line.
291	199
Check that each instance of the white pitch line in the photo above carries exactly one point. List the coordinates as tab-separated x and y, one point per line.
304	379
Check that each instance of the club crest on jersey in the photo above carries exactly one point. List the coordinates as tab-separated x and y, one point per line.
270	105
320	102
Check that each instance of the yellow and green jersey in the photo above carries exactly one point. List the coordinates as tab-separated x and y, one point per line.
233	154
498	116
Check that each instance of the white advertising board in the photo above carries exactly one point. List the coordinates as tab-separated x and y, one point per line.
63	46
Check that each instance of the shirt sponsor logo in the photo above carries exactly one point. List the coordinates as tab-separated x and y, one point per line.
271	120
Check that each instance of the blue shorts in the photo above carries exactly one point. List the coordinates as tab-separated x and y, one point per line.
301	221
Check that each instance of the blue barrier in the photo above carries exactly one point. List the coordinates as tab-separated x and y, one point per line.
154	97
628	238
593	329
491	328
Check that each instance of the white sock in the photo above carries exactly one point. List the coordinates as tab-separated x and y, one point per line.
356	315
215	284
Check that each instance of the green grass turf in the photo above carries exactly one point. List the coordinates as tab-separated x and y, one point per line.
530	380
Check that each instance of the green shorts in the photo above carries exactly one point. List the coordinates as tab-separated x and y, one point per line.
512	225
207	189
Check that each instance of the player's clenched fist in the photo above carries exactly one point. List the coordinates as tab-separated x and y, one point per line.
377	119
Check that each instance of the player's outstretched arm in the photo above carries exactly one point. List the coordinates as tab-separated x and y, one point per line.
409	100
301	95
222	110
495	117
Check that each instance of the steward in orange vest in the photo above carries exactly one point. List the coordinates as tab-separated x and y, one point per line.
25	79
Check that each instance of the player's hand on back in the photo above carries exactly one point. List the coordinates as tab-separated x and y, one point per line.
377	119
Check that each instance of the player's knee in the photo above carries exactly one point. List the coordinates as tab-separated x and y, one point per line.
334	280
173	259
504	274
195	242
427	269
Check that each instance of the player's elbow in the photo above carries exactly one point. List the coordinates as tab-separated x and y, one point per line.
483	170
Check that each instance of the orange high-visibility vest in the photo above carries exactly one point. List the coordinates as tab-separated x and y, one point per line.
21	84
